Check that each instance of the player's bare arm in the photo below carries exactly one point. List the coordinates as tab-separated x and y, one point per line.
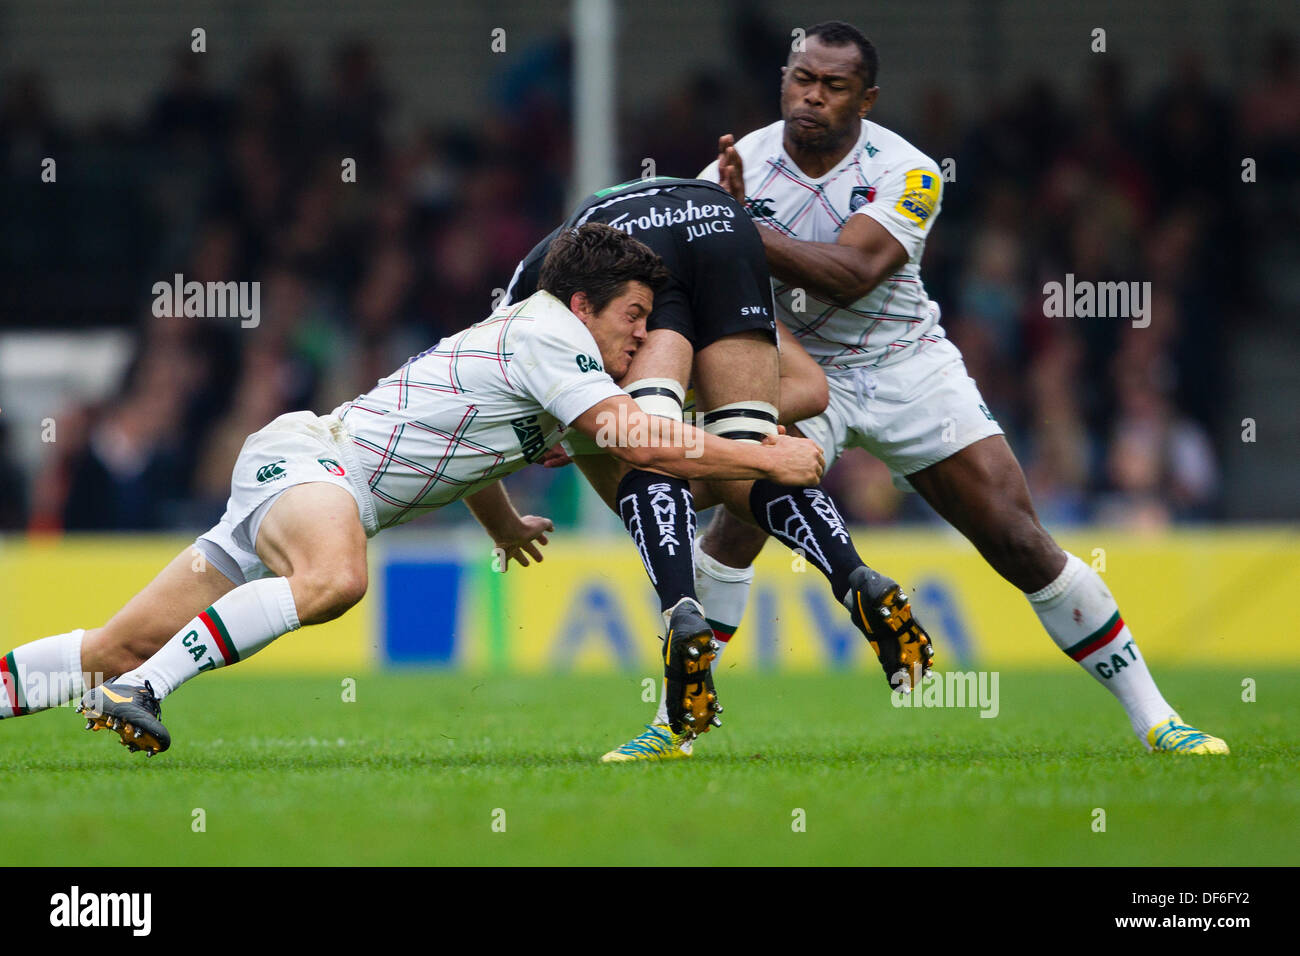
846	270
803	393
865	255
684	451
519	536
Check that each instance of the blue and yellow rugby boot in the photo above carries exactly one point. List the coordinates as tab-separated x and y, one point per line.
1175	736
656	742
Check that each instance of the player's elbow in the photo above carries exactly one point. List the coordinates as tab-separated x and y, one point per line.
855	287
867	271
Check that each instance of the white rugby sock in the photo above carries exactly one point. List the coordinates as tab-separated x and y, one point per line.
236	626
724	592
42	674
1077	609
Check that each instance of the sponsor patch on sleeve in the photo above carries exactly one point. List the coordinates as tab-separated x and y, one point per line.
920	195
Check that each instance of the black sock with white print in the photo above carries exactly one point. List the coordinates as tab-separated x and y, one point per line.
806	520
659	514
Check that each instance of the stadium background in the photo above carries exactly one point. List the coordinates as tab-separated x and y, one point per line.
224	165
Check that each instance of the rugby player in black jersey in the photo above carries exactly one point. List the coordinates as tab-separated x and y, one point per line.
713	327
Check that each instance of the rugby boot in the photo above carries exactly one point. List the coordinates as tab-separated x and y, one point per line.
1174	736
131	712
882	612
689	651
657	742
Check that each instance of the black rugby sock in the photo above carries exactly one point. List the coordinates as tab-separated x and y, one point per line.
807	519
659	514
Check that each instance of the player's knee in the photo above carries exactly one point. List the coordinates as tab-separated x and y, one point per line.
750	421
323	593
664	397
346	588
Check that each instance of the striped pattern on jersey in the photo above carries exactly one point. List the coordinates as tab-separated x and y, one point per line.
418	439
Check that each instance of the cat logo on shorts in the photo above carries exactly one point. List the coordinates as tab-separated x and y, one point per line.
920	196
271	472
332	466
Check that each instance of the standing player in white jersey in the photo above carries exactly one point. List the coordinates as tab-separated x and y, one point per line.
308	491
844	207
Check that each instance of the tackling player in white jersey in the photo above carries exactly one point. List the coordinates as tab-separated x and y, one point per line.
308	491
844	207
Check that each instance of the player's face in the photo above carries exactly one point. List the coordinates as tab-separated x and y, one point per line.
619	328
823	97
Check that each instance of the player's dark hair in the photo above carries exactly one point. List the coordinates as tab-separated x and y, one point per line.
839	33
599	260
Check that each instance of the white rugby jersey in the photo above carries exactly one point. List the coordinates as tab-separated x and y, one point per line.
884	177
477	406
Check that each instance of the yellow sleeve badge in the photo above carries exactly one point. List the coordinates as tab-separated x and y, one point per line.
920	196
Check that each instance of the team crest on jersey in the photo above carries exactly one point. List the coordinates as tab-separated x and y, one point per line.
860	196
332	466
920	196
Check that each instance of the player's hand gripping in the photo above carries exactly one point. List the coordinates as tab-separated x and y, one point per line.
798	461
731	168
523	541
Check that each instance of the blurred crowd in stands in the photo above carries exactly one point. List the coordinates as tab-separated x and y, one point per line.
1110	422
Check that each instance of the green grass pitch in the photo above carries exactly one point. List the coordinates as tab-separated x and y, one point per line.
417	770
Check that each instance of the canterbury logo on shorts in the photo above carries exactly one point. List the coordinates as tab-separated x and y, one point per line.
271	472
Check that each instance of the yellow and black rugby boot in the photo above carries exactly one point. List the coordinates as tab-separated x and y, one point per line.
131	712
882	612
689	652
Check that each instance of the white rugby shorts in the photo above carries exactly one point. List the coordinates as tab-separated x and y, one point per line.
295	449
910	414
